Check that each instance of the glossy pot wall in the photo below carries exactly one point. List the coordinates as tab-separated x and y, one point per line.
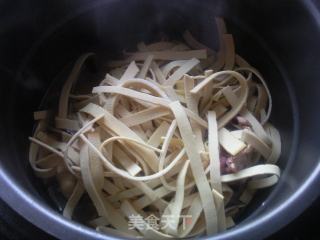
280	38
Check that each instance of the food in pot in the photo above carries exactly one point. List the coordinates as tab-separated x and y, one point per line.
172	143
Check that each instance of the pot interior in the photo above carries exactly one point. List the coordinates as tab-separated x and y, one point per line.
265	36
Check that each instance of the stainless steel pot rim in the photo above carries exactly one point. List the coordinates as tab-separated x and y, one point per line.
53	223
42	216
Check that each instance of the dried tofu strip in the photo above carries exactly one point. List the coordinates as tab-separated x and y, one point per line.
49	161
242	98
215	175
67	124
118	72
131	93
158	73
185	68
153	138
263	182
229	52
110	80
220	57
110	188
145	67
79	97
165	147
126	162
173	96
41	115
191	99
194	212
221	27
263	169
124	174
145	116
146	201
259	76
170	55
219	62
48	147
175	207
166	69
276	143
130	72
256	143
192	102
121	129
161	55
151	195
262	100
146	230
72	202
64	96
43	170
103	207
100	221
192	42
195	162
219	109
231	144
78	105
139	131
144	84
256	126
96	166
206	96
145	97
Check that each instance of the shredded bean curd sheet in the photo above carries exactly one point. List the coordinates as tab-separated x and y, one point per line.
176	133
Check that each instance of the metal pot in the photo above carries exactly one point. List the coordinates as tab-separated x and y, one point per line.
280	38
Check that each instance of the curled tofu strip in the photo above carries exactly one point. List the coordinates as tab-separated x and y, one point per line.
103	207
229	52
195	161
172	142
161	55
215	174
242	95
62	120
259	76
195	44
185	68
